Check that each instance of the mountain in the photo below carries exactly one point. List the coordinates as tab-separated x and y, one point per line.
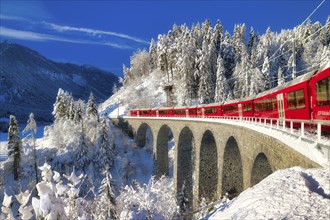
29	82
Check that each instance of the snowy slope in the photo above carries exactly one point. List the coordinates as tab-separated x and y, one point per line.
146	93
293	193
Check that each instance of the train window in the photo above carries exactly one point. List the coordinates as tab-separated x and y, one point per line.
163	112
192	111
323	92
248	107
145	112
296	99
180	111
210	110
266	105
230	109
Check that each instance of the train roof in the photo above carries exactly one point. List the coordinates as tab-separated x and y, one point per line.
295	81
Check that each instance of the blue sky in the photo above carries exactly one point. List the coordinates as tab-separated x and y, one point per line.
106	33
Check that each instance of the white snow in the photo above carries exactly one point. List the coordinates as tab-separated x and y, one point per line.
292	193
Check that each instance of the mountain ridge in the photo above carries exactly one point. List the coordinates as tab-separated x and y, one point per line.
29	82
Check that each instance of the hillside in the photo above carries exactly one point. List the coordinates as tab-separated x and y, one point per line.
29	82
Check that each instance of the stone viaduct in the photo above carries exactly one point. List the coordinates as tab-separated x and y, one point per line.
213	158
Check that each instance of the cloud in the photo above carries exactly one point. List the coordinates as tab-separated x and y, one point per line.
62	28
33	36
65	28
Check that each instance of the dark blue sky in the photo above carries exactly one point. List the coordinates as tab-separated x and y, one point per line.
106	33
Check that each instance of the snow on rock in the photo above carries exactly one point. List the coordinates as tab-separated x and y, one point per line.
293	193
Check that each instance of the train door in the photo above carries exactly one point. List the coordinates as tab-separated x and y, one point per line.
240	110
280	106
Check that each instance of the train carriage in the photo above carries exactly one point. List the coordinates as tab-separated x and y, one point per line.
192	111
213	110
180	112
144	112
165	112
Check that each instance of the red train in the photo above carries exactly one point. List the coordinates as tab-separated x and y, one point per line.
305	98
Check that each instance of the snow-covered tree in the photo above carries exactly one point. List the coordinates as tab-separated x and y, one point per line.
218	35
91	108
6	209
325	39
57	200
32	128
149	201
25	210
205	92
106	200
61	105
186	65
153	54
242	75
227	53
82	150
104	155
14	145
80	106
114	88
266	73
72	109
222	90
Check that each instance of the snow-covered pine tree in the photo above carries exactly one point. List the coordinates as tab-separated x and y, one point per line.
61	105
14	145
162	60
80	106
242	75
186	64
325	34
82	150
105	154
153	55
91	108
72	109
222	90
114	88
266	73
106	204
32	127
205	92
218	35
239	41
227	53
127	75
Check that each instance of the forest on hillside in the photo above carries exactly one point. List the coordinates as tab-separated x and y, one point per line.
204	63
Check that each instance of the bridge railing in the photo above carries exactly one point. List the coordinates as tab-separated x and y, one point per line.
300	128
308	129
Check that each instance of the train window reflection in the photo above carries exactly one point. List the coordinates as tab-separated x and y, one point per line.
296	99
323	92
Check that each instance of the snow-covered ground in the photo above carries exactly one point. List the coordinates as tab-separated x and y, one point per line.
292	193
